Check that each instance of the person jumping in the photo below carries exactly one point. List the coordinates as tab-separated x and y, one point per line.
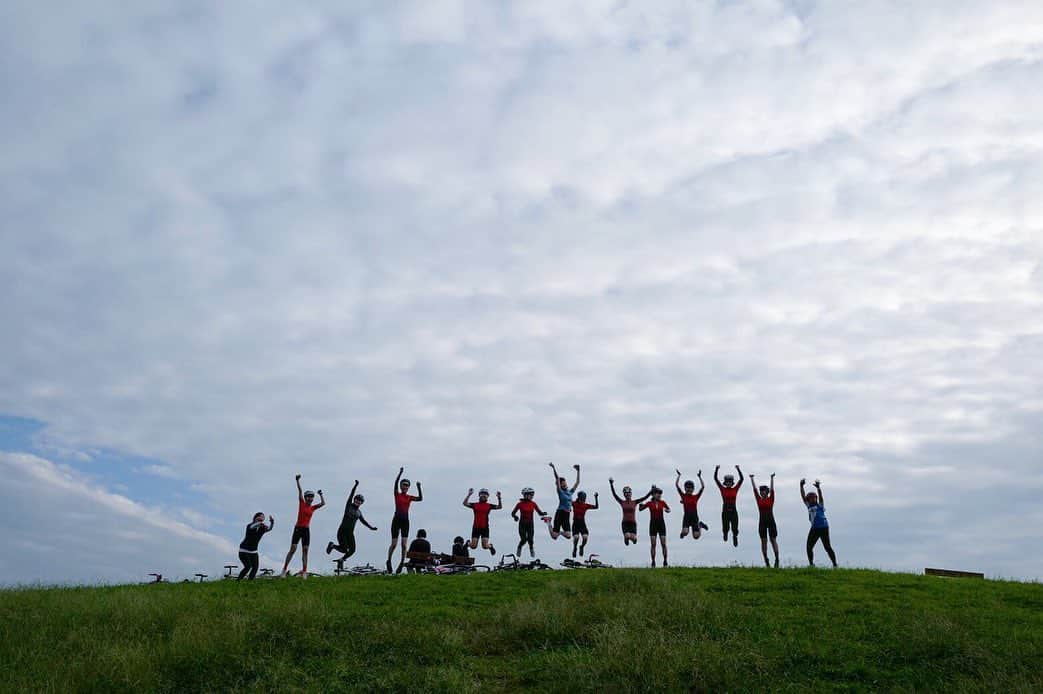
562	525
766	526
656	521
346	532
819	525
248	547
522	513
729	512
579	524
481	508
690	502
302	529
400	521
629	506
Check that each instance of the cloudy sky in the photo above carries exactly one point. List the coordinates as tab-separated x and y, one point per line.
240	241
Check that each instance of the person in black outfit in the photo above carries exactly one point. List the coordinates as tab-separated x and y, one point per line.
248	547
421	545
346	532
460	548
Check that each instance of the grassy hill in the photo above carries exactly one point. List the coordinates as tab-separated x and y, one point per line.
628	630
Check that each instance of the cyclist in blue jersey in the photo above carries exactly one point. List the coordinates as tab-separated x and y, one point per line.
819	525
562	526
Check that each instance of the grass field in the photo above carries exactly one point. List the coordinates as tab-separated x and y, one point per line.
627	630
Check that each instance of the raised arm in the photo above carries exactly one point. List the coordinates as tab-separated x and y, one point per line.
354	488
419	493
576	486
677	483
803	495
716	475
300	493
818	488
554	471
753	487
499	502
702	485
271	523
612	486
739	483
322	501
771	493
398	478
467	499
642	498
597	504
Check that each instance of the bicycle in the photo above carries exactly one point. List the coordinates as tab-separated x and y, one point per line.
591	562
513	564
156	578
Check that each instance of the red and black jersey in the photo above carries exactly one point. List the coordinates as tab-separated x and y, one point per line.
525	508
728	494
655	508
765	504
402	502
690	501
579	509
481	513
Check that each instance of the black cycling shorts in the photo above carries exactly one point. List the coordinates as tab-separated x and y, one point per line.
629	527
526	531
399	526
561	521
479	532
579	527
730	519
302	535
657	526
690	520
766	527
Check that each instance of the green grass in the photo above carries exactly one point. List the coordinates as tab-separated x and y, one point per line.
625	630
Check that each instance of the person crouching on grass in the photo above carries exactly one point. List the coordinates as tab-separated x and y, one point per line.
656	521
248	547
579	523
690	503
819	525
481	508
419	545
766	527
522	513
302	529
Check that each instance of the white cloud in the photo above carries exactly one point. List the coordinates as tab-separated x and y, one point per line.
797	236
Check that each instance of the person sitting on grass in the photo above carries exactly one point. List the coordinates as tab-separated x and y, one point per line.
579	524
481	509
562	526
766	527
656	521
729	512
523	514
248	547
629	506
346	532
400	521
460	548
419	545
302	529
819	525
690	503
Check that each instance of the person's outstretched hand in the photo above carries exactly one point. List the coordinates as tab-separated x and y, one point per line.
297	477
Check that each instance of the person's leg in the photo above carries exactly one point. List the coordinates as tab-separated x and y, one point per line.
473	542
812	539
828	547
724	524
684	529
735	528
244	557
304	559
289	556
775	548
652	549
575	546
662	542
583	547
255	563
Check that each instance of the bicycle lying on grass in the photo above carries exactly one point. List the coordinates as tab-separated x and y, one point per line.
509	562
363	570
591	562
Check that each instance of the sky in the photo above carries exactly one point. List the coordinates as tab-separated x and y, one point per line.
240	241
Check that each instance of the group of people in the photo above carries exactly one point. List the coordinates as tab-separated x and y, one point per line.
569	520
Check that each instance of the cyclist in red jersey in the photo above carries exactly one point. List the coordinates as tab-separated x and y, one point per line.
400	521
690	502
766	527
656	521
522	513
481	508
729	512
579	522
629	506
302	529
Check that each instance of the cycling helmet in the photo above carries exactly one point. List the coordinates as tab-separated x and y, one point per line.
729	478
765	490
458	540
628	490
308	493
656	490
359	498
581	495
689	483
528	490
405	483
482	491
